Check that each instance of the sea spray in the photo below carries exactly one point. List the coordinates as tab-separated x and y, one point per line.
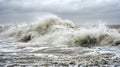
56	42
58	32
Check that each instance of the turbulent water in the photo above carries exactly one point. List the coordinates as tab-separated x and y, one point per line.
56	42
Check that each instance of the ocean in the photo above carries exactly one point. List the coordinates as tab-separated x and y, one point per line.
54	42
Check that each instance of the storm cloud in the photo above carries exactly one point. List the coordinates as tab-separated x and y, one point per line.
79	11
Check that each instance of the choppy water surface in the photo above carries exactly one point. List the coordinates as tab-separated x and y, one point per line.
22	54
59	43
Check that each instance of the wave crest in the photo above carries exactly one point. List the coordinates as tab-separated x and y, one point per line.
58	32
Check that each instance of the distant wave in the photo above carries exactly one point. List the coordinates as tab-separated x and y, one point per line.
58	32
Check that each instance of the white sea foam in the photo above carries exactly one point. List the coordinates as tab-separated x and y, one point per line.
58	32
46	43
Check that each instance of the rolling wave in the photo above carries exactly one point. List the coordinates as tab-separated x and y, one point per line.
58	32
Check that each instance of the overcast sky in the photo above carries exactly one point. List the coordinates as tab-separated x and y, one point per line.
79	11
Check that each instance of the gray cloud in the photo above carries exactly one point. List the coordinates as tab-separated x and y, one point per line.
79	11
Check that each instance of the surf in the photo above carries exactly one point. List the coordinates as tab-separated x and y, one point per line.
60	32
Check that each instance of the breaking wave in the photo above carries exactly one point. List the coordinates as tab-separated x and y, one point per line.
58	32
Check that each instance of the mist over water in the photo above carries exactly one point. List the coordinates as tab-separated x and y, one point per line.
59	33
54	30
58	41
